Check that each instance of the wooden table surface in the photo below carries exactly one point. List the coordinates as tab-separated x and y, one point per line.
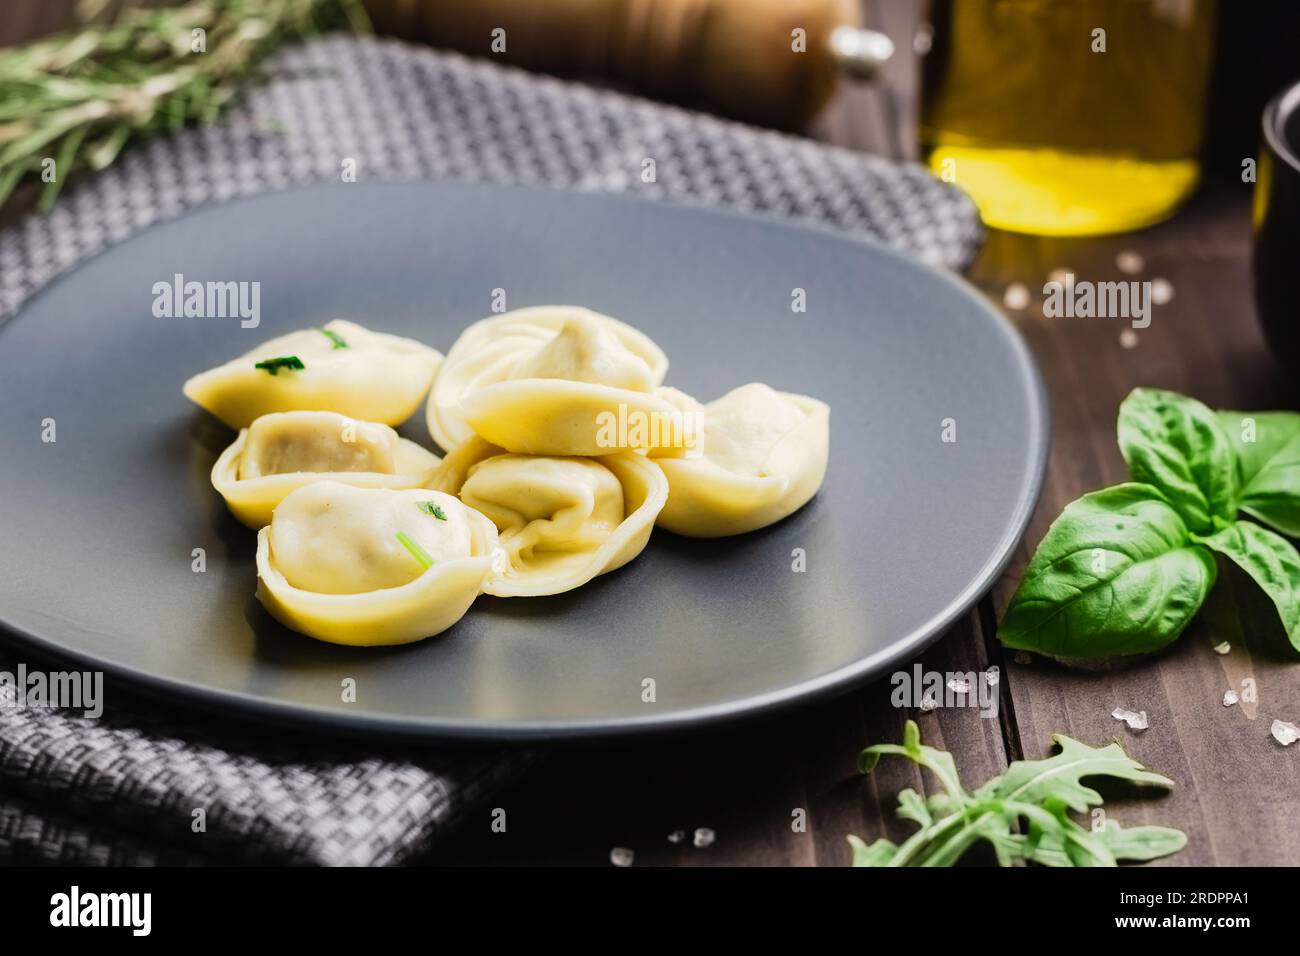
754	783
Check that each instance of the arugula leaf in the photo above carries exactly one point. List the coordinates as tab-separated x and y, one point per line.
273	365
1271	561
1138	844
1080	846
1177	444
1142	843
1035	794
877	854
912	806
1268	466
1060	776
1117	573
938	762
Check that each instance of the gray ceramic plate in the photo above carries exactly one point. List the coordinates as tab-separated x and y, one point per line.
97	528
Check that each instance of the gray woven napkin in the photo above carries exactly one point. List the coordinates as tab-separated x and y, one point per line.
125	788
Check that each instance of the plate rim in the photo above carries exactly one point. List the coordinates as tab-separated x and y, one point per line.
857	673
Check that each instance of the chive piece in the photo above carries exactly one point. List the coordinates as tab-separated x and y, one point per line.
275	364
417	552
429	508
339	341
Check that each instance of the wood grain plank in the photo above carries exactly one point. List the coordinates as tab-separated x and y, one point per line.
27	19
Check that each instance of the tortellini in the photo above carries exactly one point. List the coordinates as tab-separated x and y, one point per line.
561	520
283	451
555	380
564	451
372	565
762	456
340	367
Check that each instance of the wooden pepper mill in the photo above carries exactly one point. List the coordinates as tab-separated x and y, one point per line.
741	58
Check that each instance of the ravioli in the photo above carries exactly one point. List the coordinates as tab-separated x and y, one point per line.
341	367
372	566
555	380
762	456
561	520
280	452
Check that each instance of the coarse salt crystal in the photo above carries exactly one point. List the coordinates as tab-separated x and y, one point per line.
1128	339
1016	296
1230	697
959	685
1130	262
1222	648
621	856
704	837
677	836
1136	719
1285	733
1162	291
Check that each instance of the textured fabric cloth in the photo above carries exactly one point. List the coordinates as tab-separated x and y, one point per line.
144	784
127	788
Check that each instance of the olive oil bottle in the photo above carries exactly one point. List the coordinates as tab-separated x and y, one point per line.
1067	117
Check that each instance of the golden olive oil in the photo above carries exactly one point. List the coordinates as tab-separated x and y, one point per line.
1068	117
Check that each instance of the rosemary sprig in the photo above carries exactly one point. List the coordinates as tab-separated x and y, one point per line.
73	101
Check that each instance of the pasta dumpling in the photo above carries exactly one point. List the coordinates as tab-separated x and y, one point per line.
762	456
561	520
372	566
341	367
555	380
280	452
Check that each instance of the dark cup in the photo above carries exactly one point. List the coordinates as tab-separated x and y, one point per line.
1277	229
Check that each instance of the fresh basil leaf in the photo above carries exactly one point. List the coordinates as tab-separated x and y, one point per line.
1271	561
1268	465
1060	776
1117	573
1239	613
1176	444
